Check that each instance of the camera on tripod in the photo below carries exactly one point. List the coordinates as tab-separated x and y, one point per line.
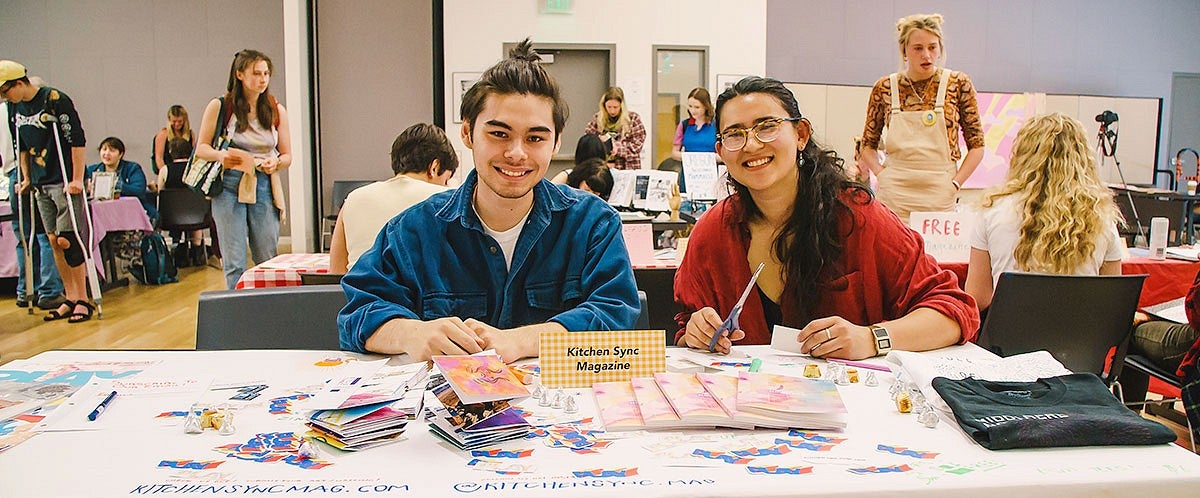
1106	118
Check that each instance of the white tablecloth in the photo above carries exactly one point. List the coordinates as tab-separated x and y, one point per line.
124	458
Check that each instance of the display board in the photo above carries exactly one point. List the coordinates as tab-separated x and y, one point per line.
838	112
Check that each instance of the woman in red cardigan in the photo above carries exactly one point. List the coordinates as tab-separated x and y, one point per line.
838	264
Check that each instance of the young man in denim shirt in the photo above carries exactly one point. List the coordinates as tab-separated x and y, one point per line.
507	255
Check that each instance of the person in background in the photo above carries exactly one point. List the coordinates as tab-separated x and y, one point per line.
837	264
923	107
588	147
189	252
131	180
47	285
423	162
1052	214
251	200
620	129
54	172
504	257
592	176
696	133
178	127
1189	367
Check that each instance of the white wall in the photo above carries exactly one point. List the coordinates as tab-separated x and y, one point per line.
475	31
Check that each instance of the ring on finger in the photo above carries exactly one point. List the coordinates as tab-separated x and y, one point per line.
828	336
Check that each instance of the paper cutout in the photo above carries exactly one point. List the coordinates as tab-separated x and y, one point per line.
272	447
776	470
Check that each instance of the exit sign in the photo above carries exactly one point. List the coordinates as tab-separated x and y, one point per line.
554	6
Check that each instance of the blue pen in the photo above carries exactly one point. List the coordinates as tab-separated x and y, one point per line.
731	323
100	408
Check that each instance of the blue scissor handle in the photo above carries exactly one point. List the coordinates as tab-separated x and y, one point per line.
727	327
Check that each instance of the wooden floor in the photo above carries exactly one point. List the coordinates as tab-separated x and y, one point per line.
151	317
135	317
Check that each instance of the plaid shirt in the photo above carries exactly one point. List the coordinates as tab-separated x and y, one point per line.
626	147
1189	368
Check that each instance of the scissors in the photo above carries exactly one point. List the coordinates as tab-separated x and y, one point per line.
731	323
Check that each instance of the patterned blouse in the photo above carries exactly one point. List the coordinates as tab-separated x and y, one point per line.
961	108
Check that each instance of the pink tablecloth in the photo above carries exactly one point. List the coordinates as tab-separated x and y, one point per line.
8	245
283	270
116	215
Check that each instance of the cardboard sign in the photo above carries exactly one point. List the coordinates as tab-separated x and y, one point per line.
639	241
947	235
580	359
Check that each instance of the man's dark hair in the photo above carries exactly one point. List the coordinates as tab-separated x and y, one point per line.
419	145
113	143
590	147
178	148
594	172
520	73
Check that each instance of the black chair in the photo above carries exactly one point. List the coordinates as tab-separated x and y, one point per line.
341	189
1149	206
184	210
1135	380
303	317
1078	319
310	278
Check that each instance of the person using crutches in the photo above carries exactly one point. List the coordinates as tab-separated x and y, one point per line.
46	126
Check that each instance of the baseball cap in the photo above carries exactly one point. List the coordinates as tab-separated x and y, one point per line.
11	70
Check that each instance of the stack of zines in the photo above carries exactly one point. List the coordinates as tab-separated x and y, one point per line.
469	403
374	416
679	400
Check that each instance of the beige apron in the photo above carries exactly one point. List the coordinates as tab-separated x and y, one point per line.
918	170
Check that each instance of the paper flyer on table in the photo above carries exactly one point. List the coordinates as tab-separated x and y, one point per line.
128	408
348	380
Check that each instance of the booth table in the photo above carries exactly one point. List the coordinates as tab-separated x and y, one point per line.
138	447
283	270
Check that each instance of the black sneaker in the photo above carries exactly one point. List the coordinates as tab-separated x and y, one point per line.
21	301
49	303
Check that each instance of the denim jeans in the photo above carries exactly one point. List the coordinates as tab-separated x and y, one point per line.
46	281
237	223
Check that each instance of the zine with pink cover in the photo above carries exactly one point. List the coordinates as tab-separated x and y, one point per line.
693	404
789	397
724	389
618	406
479	379
656	411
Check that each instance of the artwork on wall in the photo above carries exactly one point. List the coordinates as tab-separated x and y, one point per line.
1002	115
461	83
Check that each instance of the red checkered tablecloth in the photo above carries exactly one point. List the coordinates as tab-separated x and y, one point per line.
283	270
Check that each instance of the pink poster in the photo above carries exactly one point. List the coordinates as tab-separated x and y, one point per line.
1002	115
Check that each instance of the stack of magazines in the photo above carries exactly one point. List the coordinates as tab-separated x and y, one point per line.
468	405
375	415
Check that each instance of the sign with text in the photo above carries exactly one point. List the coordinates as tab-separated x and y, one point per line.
580	359
947	235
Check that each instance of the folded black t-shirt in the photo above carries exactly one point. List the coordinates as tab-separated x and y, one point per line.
1071	410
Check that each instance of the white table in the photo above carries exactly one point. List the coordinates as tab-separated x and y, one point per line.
124	460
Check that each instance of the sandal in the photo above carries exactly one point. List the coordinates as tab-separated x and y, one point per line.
77	317
56	315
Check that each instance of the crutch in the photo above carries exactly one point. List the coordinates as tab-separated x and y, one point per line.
25	237
92	276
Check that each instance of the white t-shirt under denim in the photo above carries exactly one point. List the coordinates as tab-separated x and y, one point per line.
998	228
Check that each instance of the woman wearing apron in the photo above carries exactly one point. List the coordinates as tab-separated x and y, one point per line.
923	108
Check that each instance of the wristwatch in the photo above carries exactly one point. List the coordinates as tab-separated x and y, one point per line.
883	340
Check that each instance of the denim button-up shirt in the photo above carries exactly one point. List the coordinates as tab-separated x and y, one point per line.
434	260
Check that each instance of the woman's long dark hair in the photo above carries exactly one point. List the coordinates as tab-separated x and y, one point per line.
809	244
237	95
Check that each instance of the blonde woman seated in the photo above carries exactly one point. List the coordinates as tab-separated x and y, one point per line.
1051	215
423	161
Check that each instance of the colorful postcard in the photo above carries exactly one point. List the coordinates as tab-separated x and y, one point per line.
618	406
480	378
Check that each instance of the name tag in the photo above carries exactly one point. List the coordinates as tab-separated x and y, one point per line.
580	359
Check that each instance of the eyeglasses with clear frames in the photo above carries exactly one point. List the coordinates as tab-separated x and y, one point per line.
733	139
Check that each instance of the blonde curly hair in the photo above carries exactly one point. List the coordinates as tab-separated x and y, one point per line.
1064	205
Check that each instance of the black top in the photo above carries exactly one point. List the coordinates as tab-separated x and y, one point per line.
31	124
771	311
1071	410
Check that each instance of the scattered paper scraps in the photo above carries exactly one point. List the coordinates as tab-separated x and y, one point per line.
781	449
283	405
815	436
881	470
500	467
736	364
776	470
333	361
622	472
800	444
272	447
172	414
722	456
501	453
191	464
903	451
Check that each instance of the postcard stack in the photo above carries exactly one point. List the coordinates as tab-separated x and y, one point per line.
682	400
375	415
468	406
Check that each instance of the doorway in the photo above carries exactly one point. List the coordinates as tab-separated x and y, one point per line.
677	70
1185	119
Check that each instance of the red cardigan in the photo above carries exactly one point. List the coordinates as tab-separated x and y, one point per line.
886	273
1192	307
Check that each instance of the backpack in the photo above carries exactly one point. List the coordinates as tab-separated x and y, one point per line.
156	266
